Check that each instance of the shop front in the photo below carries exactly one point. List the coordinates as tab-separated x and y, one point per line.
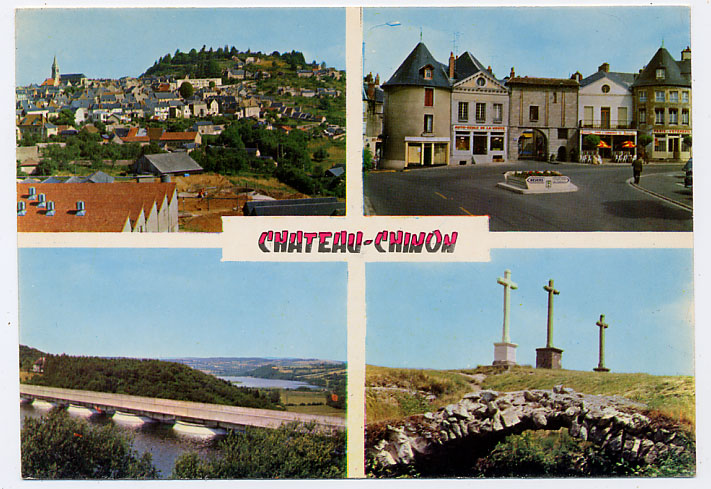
426	151
478	144
669	145
614	146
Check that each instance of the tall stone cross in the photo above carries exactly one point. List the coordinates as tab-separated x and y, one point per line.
601	363
551	292
508	285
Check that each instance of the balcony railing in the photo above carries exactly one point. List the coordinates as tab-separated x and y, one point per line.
607	124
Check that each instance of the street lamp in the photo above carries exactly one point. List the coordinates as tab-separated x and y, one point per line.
393	23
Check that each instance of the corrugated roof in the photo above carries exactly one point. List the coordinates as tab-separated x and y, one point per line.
409	72
108	205
672	75
173	162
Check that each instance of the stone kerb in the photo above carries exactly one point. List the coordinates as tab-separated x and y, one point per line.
536	182
484	417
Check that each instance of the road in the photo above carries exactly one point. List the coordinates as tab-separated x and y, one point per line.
605	200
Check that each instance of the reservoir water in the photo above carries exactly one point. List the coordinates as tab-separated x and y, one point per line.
163	442
269	383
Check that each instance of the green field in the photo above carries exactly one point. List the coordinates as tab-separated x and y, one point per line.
308	402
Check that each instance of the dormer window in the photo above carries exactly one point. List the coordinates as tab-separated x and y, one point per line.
661	73
426	72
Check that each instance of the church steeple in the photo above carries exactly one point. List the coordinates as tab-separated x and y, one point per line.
55	71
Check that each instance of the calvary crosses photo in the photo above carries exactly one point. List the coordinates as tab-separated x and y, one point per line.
548	357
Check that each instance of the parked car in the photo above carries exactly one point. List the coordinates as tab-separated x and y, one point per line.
688	177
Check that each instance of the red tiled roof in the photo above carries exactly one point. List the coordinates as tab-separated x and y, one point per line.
179	136
107	205
132	138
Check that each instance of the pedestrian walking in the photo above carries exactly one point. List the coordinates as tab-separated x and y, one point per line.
637	169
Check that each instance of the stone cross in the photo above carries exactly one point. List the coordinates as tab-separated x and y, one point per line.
508	285
551	292
601	363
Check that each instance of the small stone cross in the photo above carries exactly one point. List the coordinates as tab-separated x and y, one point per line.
603	326
551	292
508	285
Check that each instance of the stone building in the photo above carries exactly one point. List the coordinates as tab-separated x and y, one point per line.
416	112
662	100
480	113
543	117
606	109
372	115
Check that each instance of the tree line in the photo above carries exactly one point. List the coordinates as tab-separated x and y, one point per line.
148	378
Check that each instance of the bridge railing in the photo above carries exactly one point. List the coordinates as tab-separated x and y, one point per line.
229	415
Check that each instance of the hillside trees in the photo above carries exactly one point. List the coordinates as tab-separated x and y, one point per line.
186	90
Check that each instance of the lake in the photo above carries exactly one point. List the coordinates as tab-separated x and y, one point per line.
258	382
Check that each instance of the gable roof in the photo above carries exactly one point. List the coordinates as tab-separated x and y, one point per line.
623	79
173	162
409	71
467	65
673	74
109	206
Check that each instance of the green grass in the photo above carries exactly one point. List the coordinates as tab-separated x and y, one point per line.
336	152
671	396
289	397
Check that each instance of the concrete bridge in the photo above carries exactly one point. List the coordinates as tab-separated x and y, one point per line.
169	411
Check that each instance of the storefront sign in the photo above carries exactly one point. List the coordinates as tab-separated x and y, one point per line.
608	133
672	131
479	128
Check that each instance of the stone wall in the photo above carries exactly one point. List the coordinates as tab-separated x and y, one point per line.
483	418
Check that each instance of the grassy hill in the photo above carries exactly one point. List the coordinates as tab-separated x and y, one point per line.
394	393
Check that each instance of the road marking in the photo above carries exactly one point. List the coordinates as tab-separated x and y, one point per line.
445	198
466	211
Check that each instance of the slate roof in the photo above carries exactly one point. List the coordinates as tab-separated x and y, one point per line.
623	79
108	206
467	65
379	94
167	163
556	82
673	75
409	71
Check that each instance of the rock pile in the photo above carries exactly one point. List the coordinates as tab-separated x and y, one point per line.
612	423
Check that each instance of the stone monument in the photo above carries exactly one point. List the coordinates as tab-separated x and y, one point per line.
505	351
549	357
601	363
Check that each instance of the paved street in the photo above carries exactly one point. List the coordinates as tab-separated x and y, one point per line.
605	200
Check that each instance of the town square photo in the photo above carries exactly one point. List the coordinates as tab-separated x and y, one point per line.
544	119
241	114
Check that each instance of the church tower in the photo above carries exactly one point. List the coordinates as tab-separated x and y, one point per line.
55	71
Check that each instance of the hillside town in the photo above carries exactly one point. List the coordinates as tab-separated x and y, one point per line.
208	124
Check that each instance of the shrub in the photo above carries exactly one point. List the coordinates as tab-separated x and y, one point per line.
59	447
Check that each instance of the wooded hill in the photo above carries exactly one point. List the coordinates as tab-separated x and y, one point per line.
149	378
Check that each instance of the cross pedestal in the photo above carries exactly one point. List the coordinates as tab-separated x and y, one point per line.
549	357
505	351
505	354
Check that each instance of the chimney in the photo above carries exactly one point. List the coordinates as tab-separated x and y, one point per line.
371	87
21	208
451	65
377	79
686	54
41	201
50	208
81	210
604	67
32	195
577	76
513	73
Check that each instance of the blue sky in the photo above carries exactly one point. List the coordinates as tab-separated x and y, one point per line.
449	315
537	41
160	303
111	43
